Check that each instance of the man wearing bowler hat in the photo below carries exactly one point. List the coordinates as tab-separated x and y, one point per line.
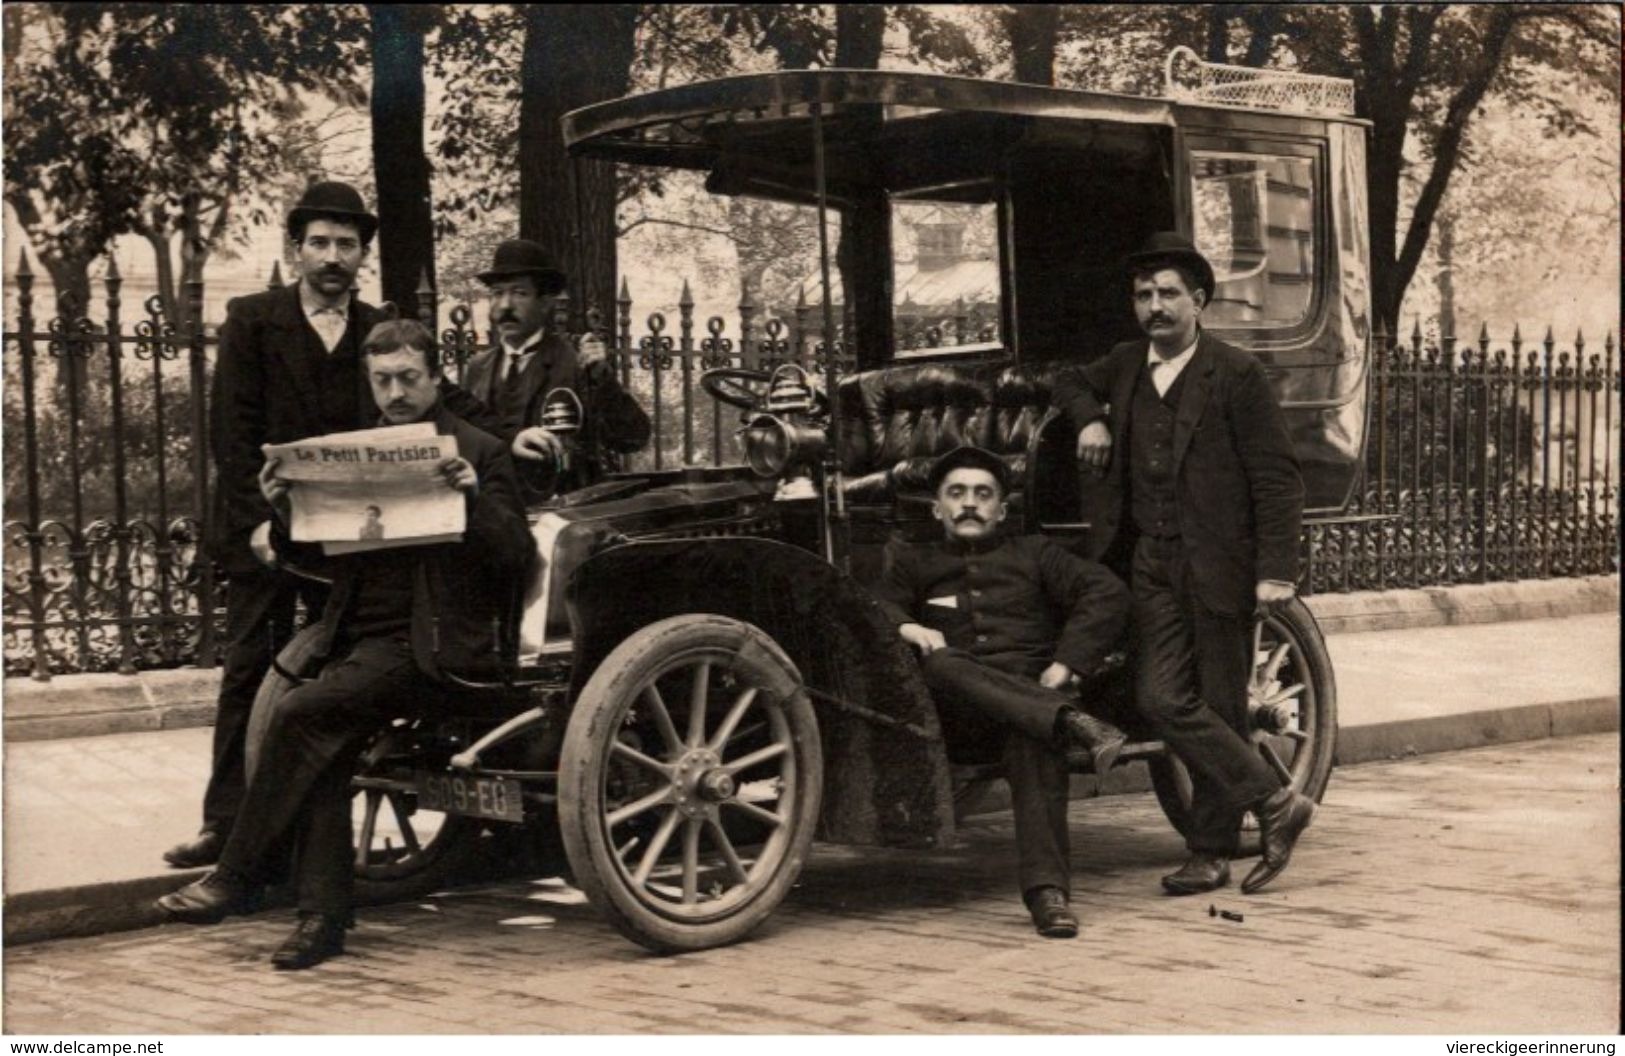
1003	625
1205	503
532	361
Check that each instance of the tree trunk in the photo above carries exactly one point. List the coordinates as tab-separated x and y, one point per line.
400	162
860	34
1034	29
574	54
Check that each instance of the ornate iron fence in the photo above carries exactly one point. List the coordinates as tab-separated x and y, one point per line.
1481	464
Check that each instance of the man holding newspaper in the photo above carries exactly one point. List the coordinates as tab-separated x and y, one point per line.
402	609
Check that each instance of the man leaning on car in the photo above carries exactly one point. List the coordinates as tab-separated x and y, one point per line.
1206	495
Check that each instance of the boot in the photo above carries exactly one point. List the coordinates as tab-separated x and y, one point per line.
1102	740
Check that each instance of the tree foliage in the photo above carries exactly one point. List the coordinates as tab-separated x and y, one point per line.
162	120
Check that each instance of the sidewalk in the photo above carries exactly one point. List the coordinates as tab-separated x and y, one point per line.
86	818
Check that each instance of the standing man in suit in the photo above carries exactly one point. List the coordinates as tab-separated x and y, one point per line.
289	368
395	619
1003	624
532	360
1206	506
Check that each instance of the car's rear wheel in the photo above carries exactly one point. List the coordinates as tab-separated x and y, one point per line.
1291	712
690	782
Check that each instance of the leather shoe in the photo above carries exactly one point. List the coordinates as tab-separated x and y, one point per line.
1051	915
1281	820
211	899
317	937
1201	872
196	853
1103	740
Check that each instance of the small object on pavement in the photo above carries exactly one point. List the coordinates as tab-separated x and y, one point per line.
1227	915
1211	911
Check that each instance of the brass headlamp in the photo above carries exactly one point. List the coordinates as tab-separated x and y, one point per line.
784	436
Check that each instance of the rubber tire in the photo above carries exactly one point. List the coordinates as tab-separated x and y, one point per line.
444	858
1171	780
644	655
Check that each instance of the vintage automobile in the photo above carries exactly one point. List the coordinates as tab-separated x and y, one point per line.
700	685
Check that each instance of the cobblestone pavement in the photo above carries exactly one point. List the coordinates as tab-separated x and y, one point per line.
1470	892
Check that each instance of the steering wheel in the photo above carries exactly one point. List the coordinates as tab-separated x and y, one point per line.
747	389
736	386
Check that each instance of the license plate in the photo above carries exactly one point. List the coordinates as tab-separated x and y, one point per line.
496	798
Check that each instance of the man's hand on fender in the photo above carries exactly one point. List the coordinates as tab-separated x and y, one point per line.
459	473
1095	445
1272	594
275	489
922	638
538	444
1056	676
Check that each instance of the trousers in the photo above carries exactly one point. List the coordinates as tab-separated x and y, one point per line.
298	801
978	700
259	622
1191	684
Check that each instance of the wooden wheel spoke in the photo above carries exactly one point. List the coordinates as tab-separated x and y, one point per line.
761	755
691	861
657	847
752	810
408	833
636	807
1272	670
1274	759
369	825
625	751
1281	696
657	710
730	722
699	698
726	848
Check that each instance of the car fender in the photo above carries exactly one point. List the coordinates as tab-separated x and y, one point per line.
887	777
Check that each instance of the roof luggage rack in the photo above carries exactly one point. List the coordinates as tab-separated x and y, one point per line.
1190	79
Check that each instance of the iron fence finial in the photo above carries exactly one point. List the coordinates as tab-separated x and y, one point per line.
276	282
686	299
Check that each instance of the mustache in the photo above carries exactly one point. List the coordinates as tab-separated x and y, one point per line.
508	316
1159	318
968	516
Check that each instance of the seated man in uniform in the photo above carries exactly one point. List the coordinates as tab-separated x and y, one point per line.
394	618
1004	624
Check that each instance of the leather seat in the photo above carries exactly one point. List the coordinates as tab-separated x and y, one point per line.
900	419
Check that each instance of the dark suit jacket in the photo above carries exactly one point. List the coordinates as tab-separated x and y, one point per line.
457	588
613	422
266	391
1016	603
1240	493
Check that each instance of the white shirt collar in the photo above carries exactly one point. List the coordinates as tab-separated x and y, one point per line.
530	345
1164	372
313	307
1176	364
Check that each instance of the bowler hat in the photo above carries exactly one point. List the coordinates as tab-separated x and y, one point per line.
969	456
1173	248
520	256
332	200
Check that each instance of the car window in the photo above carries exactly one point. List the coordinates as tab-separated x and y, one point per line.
945	276
1255	220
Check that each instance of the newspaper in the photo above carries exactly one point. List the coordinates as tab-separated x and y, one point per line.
371	489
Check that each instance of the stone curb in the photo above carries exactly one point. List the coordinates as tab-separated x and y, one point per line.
123	905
